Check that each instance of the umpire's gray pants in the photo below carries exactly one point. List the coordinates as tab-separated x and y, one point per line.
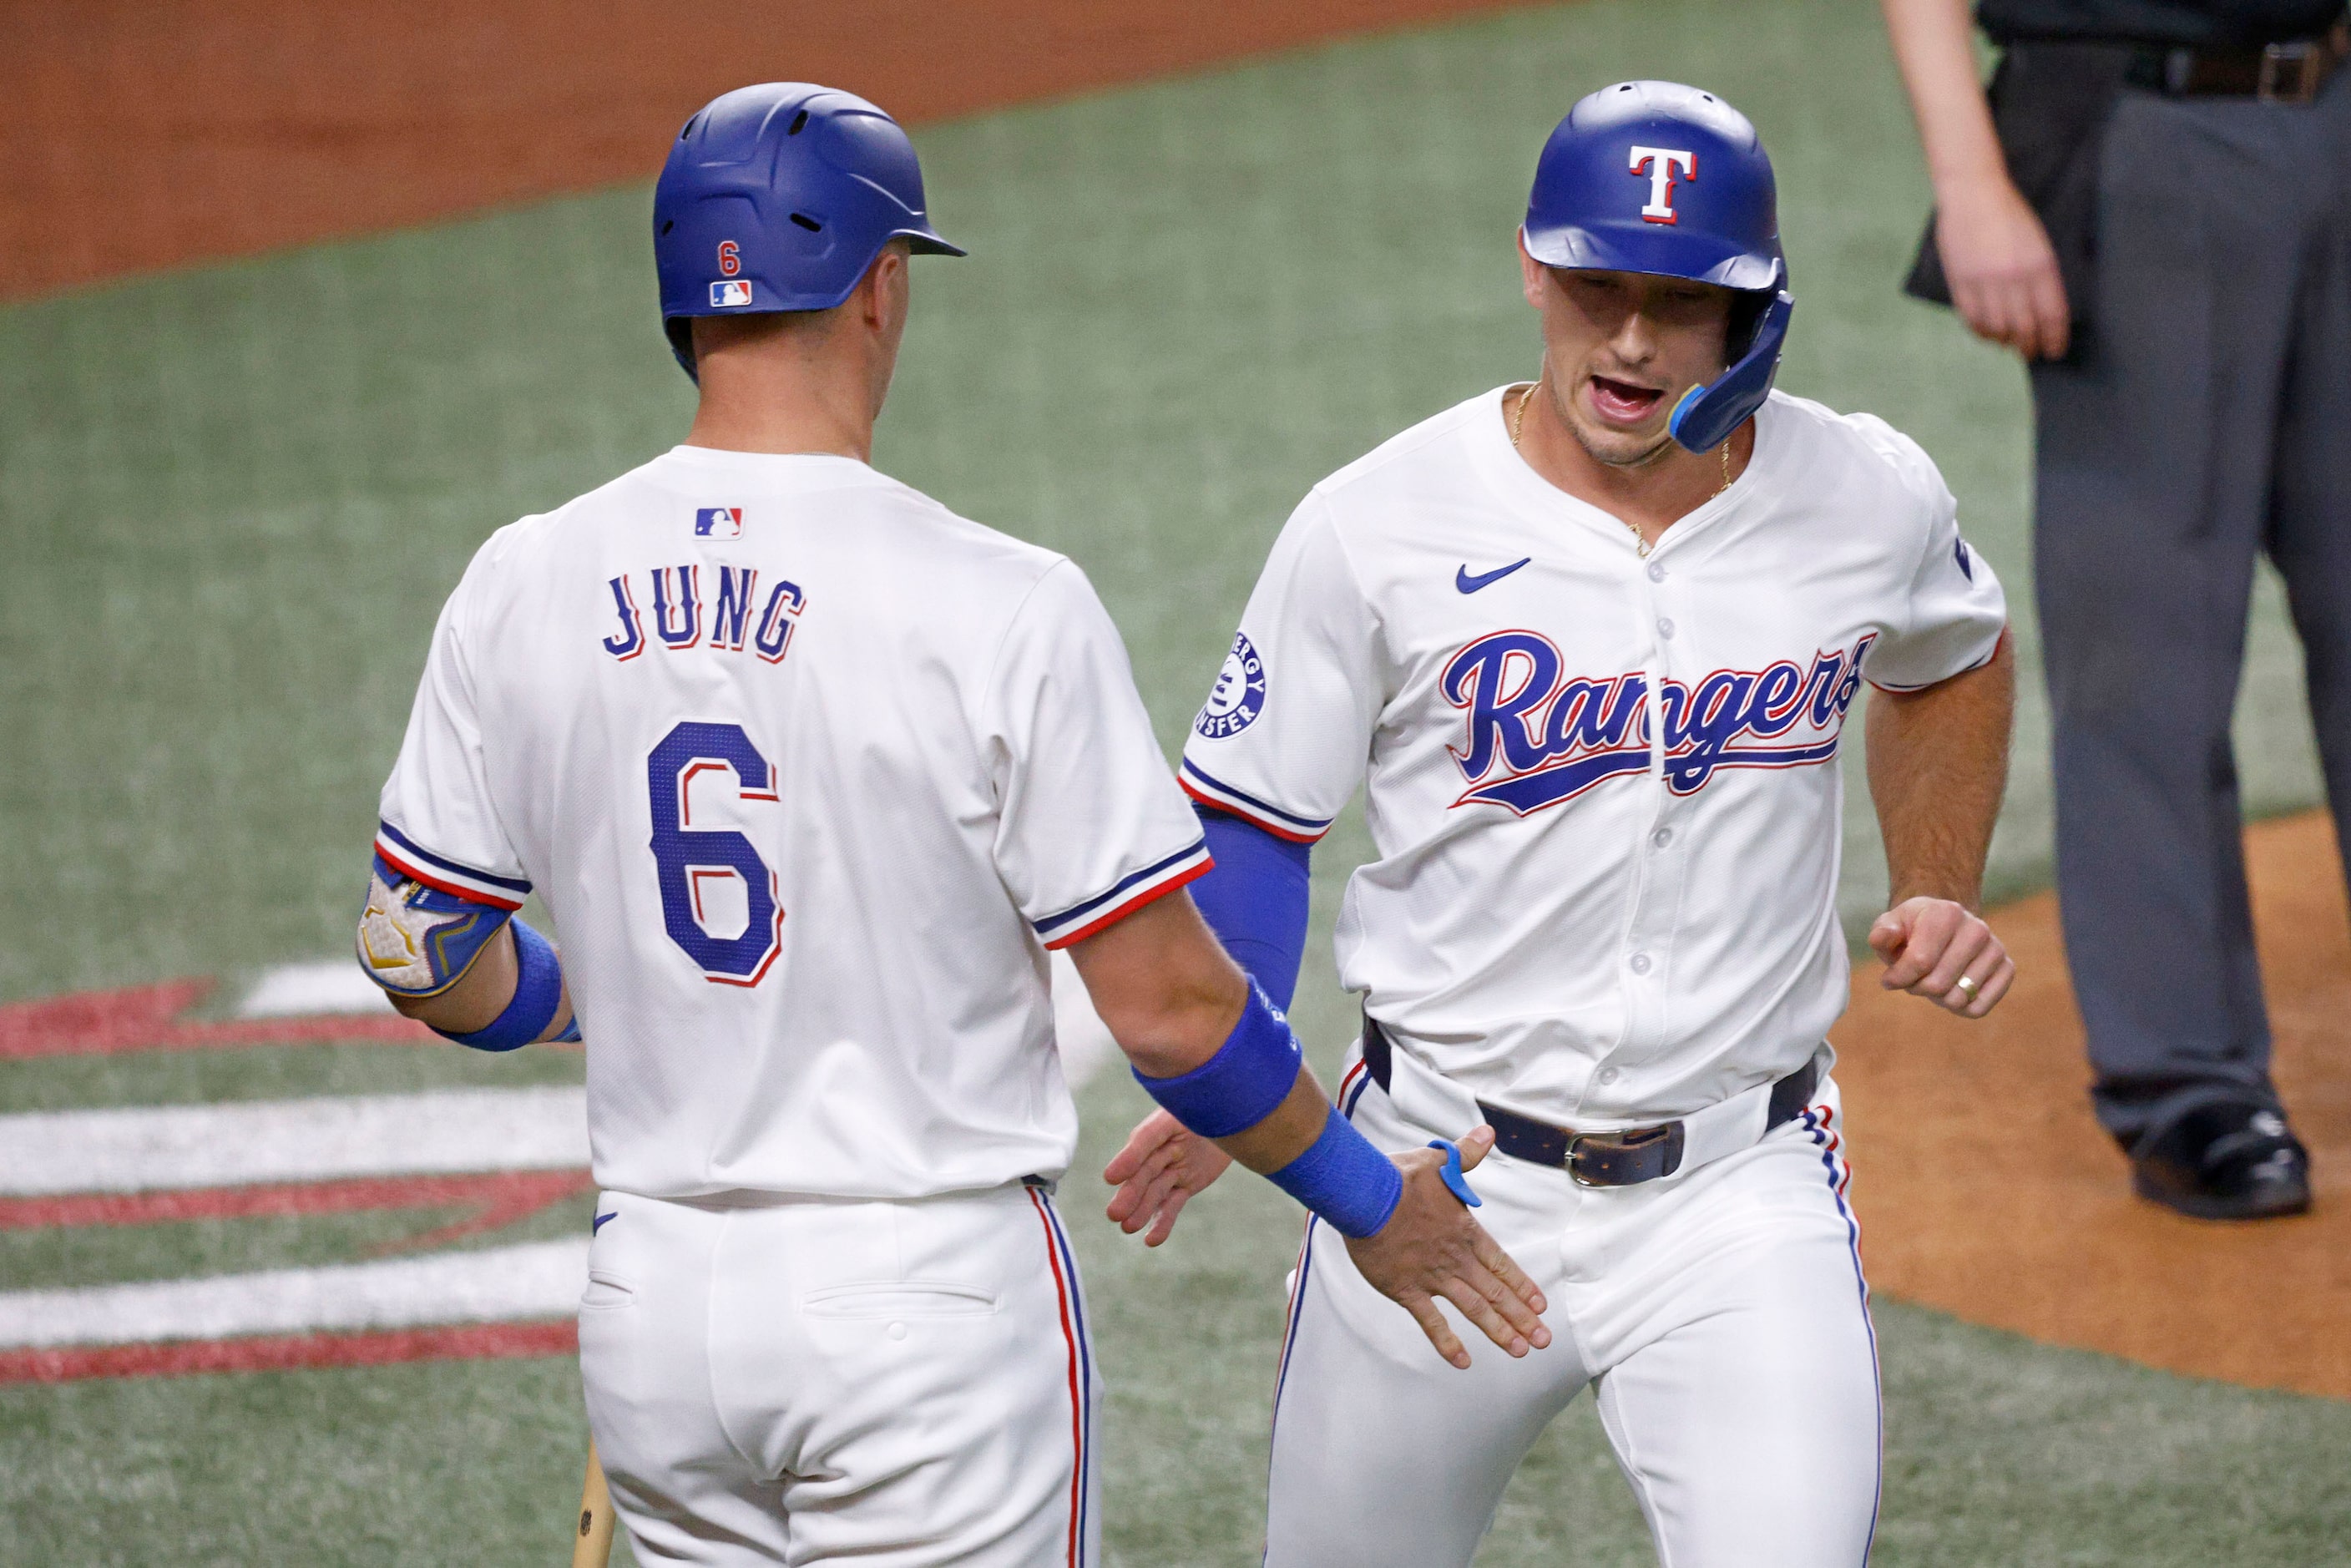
2209	419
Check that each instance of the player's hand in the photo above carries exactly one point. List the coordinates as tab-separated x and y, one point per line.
1162	1165
1431	1247
1930	945
2001	269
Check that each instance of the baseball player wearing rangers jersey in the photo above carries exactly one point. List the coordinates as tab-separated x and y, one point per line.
1592	642
810	773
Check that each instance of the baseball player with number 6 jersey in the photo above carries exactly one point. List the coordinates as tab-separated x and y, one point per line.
811	774
1591	644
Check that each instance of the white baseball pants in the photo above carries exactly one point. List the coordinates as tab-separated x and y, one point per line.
1719	1314
803	1380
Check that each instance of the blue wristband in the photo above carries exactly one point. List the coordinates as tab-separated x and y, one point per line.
1341	1177
538	991
1239	1086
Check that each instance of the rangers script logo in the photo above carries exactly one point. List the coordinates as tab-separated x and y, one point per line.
1536	739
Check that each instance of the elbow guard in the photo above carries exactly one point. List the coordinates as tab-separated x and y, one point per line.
418	941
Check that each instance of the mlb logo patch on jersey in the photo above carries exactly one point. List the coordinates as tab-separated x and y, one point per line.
718	522
728	291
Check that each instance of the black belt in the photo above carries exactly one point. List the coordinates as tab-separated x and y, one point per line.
1596	1159
2289	72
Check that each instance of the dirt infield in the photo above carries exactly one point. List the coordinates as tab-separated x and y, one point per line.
1986	1189
136	136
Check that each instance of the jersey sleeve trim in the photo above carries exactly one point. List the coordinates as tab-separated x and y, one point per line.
1130	893
450	876
1212	791
1993	653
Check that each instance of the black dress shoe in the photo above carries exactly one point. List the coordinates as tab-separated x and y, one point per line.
2224	1162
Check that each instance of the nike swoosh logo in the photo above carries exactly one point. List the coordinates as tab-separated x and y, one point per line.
1468	584
597	1223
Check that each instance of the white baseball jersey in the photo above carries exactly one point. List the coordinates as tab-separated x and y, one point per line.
810	772
1603	789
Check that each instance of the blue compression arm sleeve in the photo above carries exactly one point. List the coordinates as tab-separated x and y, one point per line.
1255	899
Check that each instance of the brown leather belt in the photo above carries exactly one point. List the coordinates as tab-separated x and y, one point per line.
2289	72
1595	1159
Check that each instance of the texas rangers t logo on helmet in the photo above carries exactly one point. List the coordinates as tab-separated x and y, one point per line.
1659	163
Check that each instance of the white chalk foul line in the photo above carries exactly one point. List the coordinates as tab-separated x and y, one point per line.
150	1148
542	1279
328	986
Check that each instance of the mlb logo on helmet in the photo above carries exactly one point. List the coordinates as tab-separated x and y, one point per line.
730	291
718	522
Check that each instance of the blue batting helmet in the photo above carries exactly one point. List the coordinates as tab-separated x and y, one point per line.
778	197
1653	177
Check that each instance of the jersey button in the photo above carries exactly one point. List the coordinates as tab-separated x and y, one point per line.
1609	1075
897	1331
1661	838
1640	965
1664	626
1656	572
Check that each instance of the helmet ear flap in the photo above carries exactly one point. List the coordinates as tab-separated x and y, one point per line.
679	331
1747	313
1706	415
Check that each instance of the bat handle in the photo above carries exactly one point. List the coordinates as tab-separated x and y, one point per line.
592	1548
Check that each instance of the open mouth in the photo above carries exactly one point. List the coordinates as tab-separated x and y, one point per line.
1621	403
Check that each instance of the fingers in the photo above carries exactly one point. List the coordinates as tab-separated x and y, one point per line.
1499	1308
1945	944
2025	310
1153	1202
1994	987
2051	316
1140	1176
1475	1146
1961	950
1483	1309
1154	1132
1490	1252
1887	935
1927	926
1440	1332
1167	1213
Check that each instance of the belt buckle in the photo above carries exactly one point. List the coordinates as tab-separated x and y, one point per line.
1642	1154
2301	58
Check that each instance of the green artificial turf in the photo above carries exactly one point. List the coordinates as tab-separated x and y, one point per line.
233	499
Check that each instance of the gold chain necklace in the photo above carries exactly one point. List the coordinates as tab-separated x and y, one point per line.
1641	542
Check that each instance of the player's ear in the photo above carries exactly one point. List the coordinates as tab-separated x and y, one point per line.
1533	275
883	293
